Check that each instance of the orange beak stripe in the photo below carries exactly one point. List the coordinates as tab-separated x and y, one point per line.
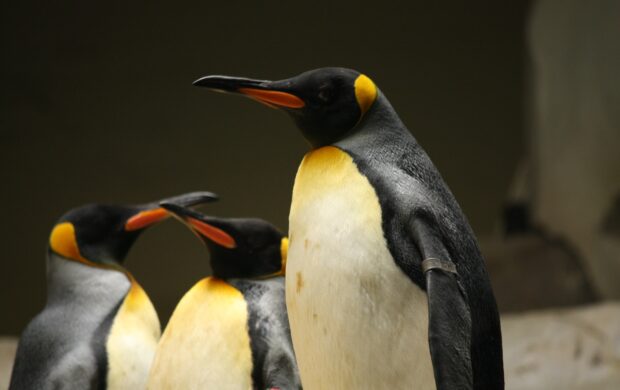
216	235
275	98
145	218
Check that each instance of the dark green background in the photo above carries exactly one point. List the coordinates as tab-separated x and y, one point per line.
97	105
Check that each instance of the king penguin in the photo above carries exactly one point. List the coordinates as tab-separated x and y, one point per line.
230	331
386	286
98	330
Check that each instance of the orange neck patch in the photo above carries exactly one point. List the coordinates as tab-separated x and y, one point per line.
63	242
284	254
365	92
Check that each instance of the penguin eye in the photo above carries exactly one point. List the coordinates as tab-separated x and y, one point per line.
327	93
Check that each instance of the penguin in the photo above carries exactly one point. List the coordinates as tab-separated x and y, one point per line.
98	329
386	287
230	330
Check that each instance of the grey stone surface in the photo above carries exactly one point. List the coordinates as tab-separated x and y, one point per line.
570	349
573	349
8	346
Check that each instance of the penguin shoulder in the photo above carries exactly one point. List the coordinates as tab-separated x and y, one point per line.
77	367
265	299
269	332
45	336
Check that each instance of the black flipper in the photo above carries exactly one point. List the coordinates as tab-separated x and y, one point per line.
449	323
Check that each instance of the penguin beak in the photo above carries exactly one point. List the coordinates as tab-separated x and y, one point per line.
152	213
145	218
200	224
272	94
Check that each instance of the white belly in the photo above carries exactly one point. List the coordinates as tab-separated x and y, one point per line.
206	344
132	341
357	321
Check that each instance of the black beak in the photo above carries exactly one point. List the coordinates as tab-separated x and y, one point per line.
273	94
180	211
230	84
151	213
192	198
201	224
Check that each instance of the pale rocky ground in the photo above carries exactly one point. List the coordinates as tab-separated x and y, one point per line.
569	349
8	345
573	349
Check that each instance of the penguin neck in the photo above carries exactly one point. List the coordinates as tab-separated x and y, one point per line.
380	126
226	268
381	112
71	279
382	116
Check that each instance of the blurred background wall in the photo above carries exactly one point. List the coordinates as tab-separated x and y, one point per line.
575	131
97	106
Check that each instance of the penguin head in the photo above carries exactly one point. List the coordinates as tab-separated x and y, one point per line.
326	103
98	234
239	247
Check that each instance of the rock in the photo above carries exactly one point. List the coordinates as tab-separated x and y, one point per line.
8	347
575	349
607	250
535	271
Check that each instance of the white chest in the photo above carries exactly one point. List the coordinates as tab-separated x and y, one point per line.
206	344
132	341
357	320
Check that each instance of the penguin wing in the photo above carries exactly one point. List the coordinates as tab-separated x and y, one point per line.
280	370
449	319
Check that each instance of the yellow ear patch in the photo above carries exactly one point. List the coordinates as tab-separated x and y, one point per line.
62	241
284	254
365	92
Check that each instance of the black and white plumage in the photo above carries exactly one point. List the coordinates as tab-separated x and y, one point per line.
98	328
230	330
386	286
